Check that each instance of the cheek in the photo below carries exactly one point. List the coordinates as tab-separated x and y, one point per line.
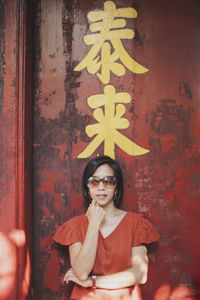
112	193
114	190
90	191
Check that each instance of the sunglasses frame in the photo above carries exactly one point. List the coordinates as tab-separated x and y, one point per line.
106	184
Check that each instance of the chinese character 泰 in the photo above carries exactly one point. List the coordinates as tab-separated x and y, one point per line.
107	29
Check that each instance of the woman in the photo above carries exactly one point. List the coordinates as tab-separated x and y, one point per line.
106	245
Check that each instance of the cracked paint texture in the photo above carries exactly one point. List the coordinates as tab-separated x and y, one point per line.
164	115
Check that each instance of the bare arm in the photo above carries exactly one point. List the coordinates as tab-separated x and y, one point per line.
136	274
82	256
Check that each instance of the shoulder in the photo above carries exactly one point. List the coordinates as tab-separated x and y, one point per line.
71	231
134	220
138	220
133	214
143	230
76	220
73	224
133	217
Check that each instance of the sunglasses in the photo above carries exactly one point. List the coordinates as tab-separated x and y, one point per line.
108	181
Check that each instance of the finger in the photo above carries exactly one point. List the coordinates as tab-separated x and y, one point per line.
70	277
65	278
95	203
67	274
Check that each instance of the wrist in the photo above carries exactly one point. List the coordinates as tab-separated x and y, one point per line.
92	226
94	278
89	282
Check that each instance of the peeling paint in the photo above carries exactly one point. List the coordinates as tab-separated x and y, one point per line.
163	186
2	53
185	90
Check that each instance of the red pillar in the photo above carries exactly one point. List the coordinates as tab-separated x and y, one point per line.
15	128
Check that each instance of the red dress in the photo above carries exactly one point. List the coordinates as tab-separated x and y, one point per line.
113	252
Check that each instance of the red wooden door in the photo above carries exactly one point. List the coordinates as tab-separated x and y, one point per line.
151	72
15	148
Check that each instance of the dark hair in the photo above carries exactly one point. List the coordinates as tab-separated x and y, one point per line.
91	168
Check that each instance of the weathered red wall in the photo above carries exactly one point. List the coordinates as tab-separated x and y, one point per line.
162	185
8	124
15	133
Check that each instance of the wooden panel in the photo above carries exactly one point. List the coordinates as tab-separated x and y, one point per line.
163	115
15	185
2	51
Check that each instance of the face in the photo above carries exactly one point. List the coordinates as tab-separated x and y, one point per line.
102	192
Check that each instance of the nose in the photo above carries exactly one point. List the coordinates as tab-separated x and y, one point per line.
101	185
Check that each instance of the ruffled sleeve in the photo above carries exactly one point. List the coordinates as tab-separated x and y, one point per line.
68	233
145	233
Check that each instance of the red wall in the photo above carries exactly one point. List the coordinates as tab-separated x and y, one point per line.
15	137
162	185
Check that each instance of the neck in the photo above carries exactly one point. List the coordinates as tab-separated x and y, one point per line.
110	209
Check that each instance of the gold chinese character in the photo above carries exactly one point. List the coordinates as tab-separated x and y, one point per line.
108	122
108	30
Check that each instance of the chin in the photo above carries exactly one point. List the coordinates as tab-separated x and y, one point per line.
103	203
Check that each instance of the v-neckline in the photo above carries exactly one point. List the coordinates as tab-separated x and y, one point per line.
115	228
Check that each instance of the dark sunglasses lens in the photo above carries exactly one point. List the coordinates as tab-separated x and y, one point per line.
93	181
109	180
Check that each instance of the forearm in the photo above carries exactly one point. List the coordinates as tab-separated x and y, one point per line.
84	261
122	279
136	274
118	280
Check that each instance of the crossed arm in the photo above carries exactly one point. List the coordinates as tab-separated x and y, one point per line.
136	274
82	258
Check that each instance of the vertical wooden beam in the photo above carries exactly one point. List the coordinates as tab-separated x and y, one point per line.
23	134
15	128
2	52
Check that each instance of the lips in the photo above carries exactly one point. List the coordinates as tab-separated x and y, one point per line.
101	196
